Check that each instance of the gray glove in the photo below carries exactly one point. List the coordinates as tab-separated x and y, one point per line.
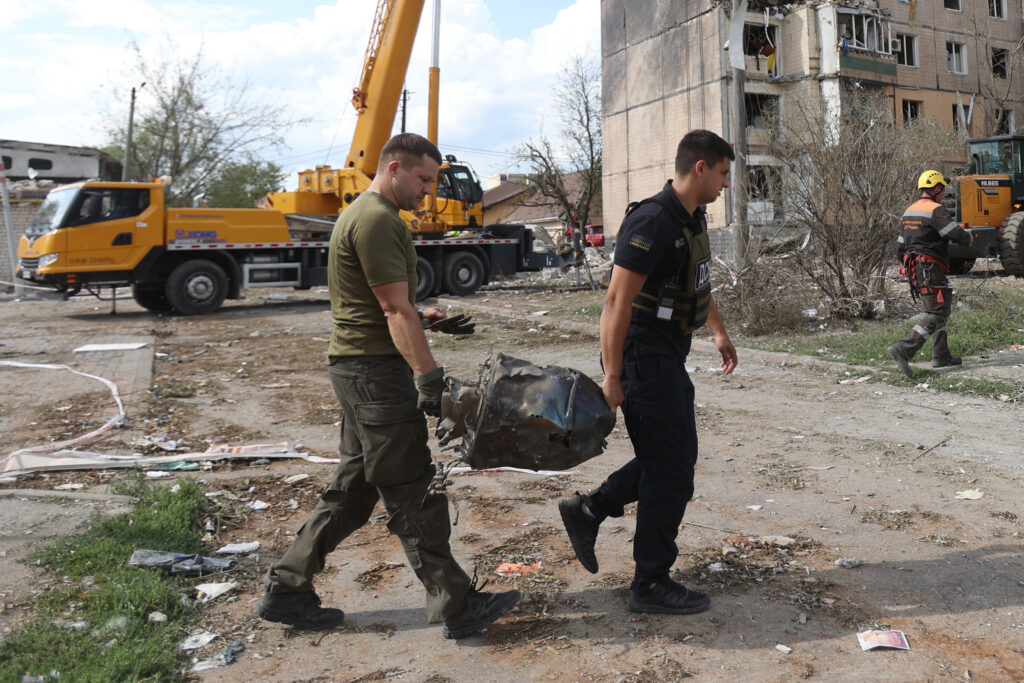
457	324
430	385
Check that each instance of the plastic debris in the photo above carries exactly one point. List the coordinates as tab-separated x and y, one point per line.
848	562
755	508
212	591
872	640
780	541
180	563
69	487
784	649
857	380
222	658
969	494
295	478
157	474
197	641
258	505
239	548
179	466
516	569
717	567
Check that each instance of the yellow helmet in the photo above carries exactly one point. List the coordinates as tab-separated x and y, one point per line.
930	179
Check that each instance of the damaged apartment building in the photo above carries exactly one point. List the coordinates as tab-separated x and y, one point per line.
666	69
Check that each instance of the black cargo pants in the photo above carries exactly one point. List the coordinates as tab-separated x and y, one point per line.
658	411
384	455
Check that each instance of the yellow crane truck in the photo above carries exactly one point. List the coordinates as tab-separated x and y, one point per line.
94	235
990	203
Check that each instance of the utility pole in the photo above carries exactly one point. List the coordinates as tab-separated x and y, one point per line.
9	222
405	105
739	135
128	146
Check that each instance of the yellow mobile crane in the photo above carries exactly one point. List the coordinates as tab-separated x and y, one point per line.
94	234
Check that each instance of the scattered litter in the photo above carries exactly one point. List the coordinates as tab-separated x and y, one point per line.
222	493
783	648
848	562
515	568
858	380
871	640
179	563
129	346
543	473
239	548
198	640
69	487
276	385
922	385
717	567
158	617
540	312
755	508
178	466
822	467
969	494
781	541
157	474
295	478
222	658
212	591
158	440
258	505
802	618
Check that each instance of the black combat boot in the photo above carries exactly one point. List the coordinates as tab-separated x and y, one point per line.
582	526
665	596
299	609
946	362
479	610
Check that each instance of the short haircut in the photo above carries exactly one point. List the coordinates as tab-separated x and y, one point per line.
409	149
701	145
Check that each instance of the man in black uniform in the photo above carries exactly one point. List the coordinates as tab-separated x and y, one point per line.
660	293
928	228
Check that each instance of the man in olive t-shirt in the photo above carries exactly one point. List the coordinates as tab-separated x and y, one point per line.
385	377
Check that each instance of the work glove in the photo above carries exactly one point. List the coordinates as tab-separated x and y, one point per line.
457	324
430	385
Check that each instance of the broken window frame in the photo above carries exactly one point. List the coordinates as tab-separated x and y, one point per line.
956	52
907	56
753	48
997	9
999	59
762	112
873	35
912	110
764	185
958	8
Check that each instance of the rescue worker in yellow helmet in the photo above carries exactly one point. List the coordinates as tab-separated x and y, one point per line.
923	247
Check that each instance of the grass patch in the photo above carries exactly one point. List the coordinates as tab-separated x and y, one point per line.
94	626
995	321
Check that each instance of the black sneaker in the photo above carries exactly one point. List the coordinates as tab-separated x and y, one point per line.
582	530
902	361
478	611
665	596
947	362
301	610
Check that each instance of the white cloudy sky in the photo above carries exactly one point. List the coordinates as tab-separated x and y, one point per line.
65	66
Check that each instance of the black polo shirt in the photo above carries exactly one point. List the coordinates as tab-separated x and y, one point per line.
650	242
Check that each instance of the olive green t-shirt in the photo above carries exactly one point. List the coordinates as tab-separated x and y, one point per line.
370	246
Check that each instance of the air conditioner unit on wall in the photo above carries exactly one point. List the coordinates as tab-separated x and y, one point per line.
895	45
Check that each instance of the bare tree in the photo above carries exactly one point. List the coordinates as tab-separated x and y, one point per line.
1000	77
191	121
845	193
570	175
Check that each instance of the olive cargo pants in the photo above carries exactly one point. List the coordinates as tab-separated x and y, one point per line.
384	455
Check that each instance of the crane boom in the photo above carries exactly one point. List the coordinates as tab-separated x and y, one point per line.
380	87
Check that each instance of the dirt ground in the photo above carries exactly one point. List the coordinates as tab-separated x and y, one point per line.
864	471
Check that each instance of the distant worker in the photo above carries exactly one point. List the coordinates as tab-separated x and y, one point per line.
923	247
659	295
385	377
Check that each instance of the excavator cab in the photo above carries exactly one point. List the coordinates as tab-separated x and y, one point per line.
991	204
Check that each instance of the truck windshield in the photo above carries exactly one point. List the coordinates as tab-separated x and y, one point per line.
52	212
997	157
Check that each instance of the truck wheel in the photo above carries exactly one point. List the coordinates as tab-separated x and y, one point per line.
197	287
151	297
1011	244
463	273
424	278
961	266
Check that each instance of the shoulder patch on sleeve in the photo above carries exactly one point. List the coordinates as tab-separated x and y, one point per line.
641	242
